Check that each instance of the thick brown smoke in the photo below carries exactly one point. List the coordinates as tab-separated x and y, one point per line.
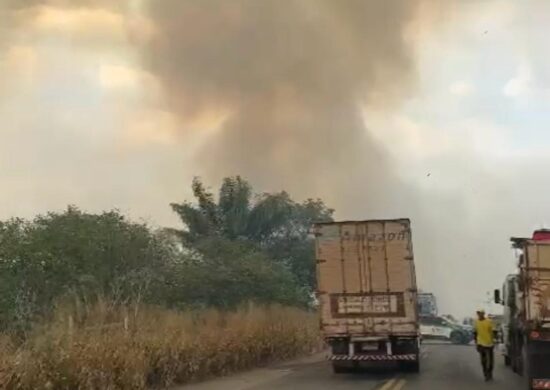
293	76
291	79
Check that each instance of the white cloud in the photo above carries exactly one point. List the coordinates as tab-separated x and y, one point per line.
462	88
520	84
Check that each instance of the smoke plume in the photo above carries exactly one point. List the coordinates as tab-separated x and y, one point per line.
292	78
289	80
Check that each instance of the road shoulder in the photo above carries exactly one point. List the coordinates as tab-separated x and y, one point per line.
256	377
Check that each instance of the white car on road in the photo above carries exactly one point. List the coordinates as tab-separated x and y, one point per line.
439	328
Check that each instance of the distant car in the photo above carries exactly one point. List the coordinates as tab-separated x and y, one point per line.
439	328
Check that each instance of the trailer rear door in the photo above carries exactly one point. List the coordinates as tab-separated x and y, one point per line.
366	278
537	271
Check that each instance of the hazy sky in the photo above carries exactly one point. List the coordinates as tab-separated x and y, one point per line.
395	110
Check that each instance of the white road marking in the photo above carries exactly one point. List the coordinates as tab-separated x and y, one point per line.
388	385
400	384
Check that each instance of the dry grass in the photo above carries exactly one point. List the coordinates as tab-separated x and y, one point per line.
105	347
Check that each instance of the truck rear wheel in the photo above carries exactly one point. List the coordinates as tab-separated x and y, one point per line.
507	360
412	367
526	369
341	368
516	364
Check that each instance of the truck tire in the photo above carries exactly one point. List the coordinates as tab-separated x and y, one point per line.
340	368
507	360
526	369
412	367
516	364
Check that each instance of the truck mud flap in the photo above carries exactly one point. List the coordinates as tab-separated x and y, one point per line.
408	357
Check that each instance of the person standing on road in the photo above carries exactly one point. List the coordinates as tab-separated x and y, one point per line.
485	343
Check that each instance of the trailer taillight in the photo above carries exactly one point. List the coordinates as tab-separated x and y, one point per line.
534	335
541	383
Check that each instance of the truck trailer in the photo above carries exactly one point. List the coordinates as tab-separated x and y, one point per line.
367	293
427	304
526	322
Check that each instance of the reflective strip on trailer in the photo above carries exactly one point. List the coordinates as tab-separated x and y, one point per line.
541	383
410	357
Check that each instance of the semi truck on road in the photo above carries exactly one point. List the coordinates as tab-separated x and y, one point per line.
526	299
427	304
367	293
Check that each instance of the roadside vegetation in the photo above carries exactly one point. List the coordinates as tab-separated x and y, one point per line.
96	301
147	347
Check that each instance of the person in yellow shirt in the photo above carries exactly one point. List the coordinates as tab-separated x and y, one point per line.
484	338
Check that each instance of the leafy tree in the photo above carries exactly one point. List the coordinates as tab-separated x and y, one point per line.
228	273
272	223
73	252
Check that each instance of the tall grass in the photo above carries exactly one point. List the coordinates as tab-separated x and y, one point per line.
107	347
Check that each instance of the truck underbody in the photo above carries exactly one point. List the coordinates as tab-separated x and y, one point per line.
528	353
526	300
350	353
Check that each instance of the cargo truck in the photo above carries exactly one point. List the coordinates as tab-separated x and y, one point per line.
526	322
367	293
427	304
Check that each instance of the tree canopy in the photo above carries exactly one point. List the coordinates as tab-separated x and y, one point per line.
73	252
272	223
235	247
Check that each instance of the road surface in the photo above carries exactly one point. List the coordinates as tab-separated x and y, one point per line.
444	366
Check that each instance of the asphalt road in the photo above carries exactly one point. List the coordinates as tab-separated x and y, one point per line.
444	366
